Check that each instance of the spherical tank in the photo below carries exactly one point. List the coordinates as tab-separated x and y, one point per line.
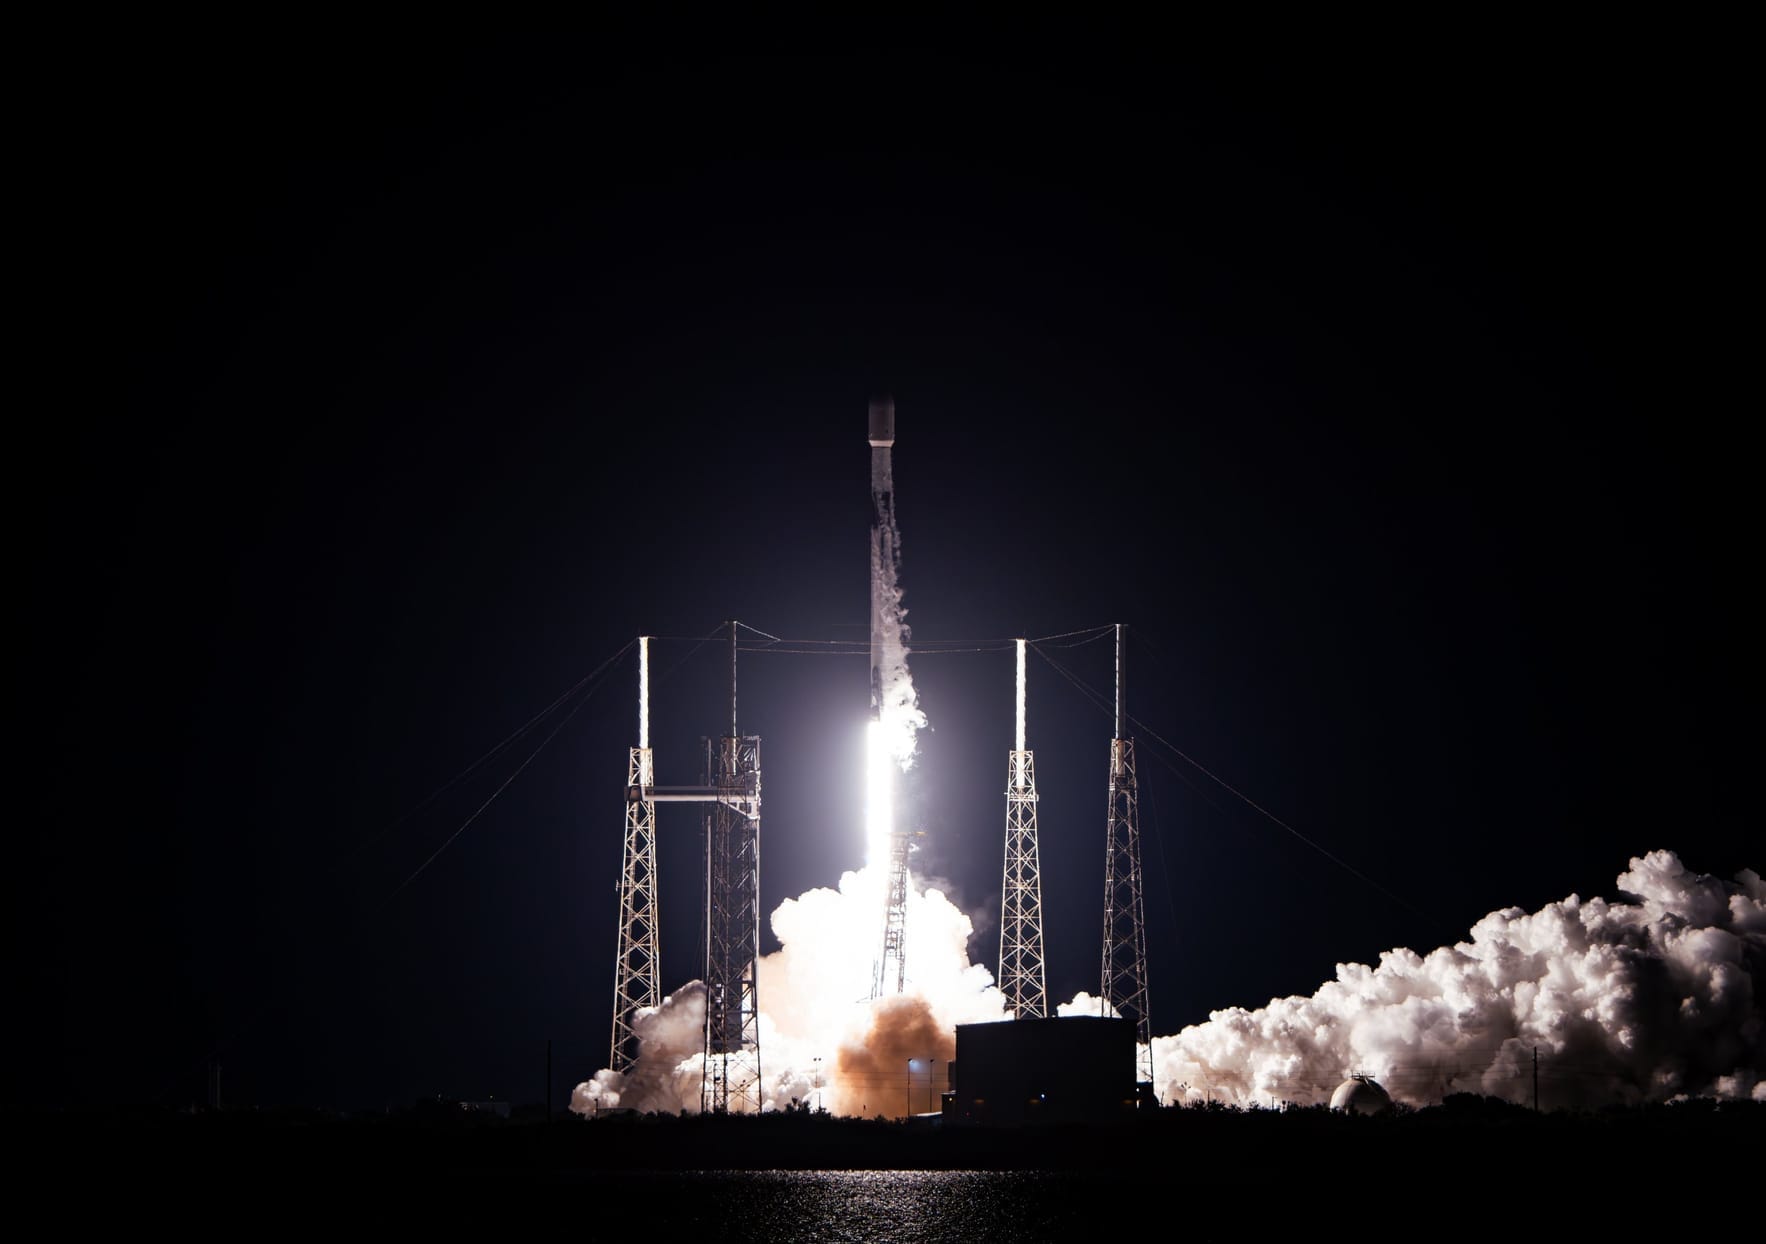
1361	1095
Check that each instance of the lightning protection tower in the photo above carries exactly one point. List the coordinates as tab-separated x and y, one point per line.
1021	974
636	982
1125	932
731	1081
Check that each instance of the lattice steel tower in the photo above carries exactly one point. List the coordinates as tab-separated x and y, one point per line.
1125	931
895	916
1021	974
636	983
731	1082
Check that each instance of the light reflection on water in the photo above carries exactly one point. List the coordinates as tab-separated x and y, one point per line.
865	1205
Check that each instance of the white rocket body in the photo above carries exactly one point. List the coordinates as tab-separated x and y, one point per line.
883	554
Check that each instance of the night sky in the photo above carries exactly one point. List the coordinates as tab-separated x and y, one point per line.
395	384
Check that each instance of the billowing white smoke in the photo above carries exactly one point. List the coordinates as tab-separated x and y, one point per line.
667	1075
1654	995
823	1040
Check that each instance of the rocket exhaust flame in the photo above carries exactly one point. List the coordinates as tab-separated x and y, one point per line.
879	797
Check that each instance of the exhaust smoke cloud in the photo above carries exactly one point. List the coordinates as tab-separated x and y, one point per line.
1651	995
823	1039
1655	993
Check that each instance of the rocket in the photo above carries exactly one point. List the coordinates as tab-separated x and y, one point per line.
883	552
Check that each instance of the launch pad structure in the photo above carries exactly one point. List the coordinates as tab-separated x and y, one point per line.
730	794
895	910
731	789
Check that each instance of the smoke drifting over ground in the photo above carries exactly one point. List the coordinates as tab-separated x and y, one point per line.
1650	995
823	1039
1654	994
893	1069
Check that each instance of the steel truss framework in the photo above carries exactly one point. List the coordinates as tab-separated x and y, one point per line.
1021	973
1125	933
636	983
895	917
731	1081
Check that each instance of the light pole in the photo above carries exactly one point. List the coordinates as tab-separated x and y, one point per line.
931	1087
818	1082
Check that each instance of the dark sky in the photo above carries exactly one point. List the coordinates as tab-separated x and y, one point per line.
394	384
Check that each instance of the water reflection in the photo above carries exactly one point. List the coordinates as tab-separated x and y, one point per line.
867	1205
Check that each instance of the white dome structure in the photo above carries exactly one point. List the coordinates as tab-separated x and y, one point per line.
1361	1094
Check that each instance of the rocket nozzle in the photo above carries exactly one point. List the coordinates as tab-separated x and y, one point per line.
882	423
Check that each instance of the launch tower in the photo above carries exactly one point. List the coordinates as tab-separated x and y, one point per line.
895	918
731	1081
1125	932
731	787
